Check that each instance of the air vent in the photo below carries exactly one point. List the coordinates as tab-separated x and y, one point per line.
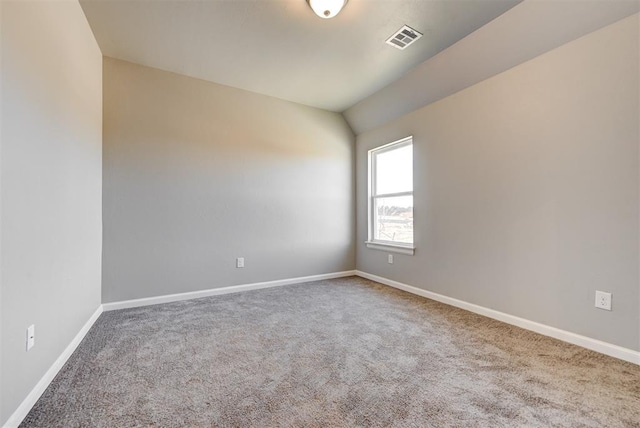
403	37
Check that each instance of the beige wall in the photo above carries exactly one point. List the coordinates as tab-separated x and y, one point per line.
526	189
197	174
51	187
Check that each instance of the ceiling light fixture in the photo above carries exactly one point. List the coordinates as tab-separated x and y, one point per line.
327	8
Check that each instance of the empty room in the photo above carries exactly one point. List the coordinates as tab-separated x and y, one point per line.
310	213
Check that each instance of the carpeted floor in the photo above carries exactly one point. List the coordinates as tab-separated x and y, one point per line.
345	352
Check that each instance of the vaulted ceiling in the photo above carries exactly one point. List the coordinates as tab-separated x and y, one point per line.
279	47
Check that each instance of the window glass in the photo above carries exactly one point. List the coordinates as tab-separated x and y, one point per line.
394	219
394	170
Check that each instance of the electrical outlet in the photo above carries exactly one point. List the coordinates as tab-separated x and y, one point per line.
240	262
603	300
390	259
31	336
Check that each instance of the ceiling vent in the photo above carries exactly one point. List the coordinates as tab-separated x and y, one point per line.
403	37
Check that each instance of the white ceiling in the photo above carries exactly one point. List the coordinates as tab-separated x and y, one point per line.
279	47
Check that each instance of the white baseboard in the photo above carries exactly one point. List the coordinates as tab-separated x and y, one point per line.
222	290
23	410
566	336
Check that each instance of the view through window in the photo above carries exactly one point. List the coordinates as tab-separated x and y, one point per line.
391	194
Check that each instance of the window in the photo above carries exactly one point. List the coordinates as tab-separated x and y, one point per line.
391	197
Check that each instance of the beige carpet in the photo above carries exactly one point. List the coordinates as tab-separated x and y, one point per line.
346	352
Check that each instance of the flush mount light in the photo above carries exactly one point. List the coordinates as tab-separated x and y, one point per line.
327	8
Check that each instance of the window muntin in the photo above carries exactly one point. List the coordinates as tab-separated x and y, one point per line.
391	194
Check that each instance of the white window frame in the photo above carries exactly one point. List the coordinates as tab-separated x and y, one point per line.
377	244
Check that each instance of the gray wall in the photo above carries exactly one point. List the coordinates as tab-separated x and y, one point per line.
526	189
51	186
197	174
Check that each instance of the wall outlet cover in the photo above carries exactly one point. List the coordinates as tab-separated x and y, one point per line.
240	262
603	300
31	336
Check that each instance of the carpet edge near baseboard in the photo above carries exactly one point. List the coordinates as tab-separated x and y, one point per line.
30	400
596	345
566	336
167	298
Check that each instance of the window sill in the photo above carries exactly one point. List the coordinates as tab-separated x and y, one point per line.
402	249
